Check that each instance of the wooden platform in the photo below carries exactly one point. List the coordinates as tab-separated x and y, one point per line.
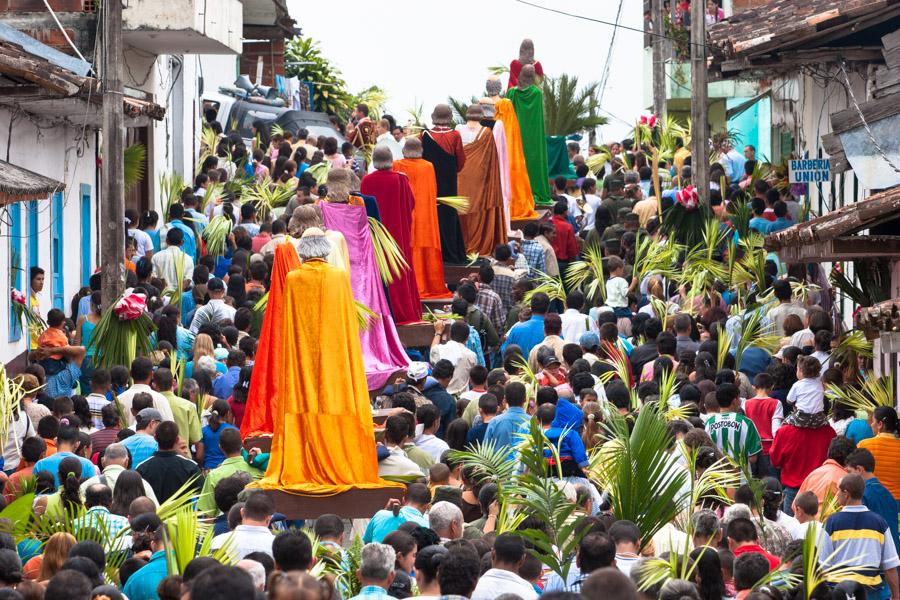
453	274
435	305
543	215
355	504
416	335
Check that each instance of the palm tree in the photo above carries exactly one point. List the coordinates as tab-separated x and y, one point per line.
567	109
460	107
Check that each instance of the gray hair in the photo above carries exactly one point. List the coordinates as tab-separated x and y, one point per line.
442	515
304	217
678	589
632	177
382	159
412	148
115	452
189	385
314	246
256	570
736	511
377	562
705	522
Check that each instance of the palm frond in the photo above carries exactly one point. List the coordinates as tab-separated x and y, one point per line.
874	391
209	140
618	360
487	461
458	203
851	346
216	235
213	194
546	284
642	477
653	258
388	258
171	185
365	316
754	332
587	274
135	157
723	349
118	342
267	195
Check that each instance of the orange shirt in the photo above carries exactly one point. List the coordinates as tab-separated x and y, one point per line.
827	477
885	447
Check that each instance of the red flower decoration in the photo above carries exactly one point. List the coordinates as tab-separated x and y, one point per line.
18	297
130	306
648	121
688	198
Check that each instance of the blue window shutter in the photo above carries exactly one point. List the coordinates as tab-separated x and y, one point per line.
16	265
57	249
33	233
86	246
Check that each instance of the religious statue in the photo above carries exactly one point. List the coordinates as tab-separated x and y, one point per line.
395	205
517	190
443	148
262	398
484	226
528	101
426	237
493	88
526	57
346	212
323	433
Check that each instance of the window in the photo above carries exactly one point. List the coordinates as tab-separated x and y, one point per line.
15	265
56	250
86	247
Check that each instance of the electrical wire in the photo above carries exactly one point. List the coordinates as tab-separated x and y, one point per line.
601	21
609	54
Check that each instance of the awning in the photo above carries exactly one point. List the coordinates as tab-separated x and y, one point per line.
20	185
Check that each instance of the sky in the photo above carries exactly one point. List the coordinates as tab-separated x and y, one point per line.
421	51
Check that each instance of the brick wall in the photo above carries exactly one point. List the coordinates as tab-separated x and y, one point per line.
272	53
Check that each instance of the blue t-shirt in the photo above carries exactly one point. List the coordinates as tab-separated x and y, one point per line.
213	456
51	465
859	430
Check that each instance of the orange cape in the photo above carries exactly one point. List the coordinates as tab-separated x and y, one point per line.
484	226
426	238
324	441
263	394
521	203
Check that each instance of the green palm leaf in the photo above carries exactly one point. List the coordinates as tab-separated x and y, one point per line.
388	258
135	157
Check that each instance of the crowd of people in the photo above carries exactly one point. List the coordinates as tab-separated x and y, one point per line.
106	451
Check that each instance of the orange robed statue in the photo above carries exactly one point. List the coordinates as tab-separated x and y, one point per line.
323	440
428	263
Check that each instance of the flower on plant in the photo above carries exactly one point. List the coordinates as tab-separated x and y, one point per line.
18	297
648	121
131	306
688	198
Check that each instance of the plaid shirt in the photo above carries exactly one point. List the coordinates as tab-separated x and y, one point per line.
575	586
504	278
373	591
491	304
534	254
108	525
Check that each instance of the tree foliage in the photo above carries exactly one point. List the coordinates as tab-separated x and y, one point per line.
304	59
568	109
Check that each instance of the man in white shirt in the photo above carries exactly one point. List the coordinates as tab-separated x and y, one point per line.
396	463
429	417
503	577
115	461
456	352
253	534
141	374
574	322
215	310
167	263
278	236
144	245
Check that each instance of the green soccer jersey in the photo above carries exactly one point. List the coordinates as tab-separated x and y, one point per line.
735	435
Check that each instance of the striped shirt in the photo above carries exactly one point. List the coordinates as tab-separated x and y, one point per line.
735	435
858	537
885	447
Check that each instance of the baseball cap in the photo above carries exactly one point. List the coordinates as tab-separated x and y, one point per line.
149	414
417	371
215	285
589	339
549	359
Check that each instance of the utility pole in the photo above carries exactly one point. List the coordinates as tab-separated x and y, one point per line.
112	238
699	102
659	64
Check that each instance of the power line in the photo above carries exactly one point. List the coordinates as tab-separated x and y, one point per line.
602	22
609	54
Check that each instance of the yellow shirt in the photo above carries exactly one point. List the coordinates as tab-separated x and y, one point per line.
36	308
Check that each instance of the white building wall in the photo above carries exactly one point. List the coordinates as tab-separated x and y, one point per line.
53	151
